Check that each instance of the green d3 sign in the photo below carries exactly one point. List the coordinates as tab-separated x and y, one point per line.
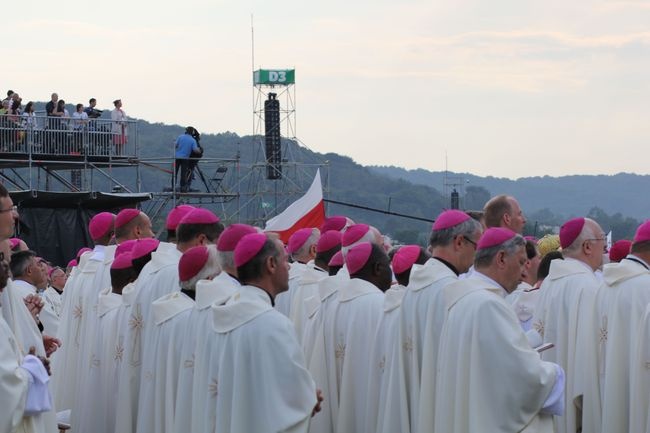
275	77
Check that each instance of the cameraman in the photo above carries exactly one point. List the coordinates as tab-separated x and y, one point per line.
187	146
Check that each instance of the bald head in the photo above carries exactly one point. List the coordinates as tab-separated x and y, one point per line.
504	211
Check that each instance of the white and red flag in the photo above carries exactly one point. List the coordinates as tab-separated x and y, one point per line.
307	211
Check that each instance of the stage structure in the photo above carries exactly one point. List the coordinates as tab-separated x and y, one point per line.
283	167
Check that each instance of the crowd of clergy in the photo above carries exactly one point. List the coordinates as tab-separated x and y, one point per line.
231	330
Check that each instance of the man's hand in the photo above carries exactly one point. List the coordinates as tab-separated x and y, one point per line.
34	304
44	361
51	344
319	400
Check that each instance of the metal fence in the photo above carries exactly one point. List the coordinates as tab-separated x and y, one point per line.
43	135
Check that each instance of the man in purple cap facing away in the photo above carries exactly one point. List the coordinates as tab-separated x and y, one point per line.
302	249
452	245
619	308
563	313
257	379
489	379
341	356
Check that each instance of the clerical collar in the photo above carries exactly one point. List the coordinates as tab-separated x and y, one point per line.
478	274
449	265
60	292
639	260
189	293
234	277
268	294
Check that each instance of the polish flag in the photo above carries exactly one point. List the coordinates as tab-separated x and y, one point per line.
307	211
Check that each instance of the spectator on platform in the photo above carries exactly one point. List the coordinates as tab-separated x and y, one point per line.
119	127
53	124
79	123
91	111
187	147
28	116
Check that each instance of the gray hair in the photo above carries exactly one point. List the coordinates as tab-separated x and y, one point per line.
209	270
444	237
587	232
304	249
484	257
226	259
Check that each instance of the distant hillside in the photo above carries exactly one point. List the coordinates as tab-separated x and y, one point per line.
565	196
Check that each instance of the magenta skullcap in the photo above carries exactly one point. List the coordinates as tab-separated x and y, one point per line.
570	231
298	239
248	247
125	247
336	222
405	257
176	215
231	235
328	240
72	263
450	218
619	250
354	233
336	260
642	233
125	216
83	250
199	215
358	256
494	236
101	224
143	247
191	262
531	238
13	243
123	261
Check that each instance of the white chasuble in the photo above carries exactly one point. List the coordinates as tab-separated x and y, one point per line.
258	379
566	299
96	409
420	323
306	287
161	361
347	333
489	379
283	300
13	383
158	277
193	367
640	378
630	281
386	336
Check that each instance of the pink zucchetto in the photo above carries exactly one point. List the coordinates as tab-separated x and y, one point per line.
358	256
82	251
100	225
336	222
143	247
405	257
232	234
123	261
125	216
570	231
248	247
298	239
176	215
336	260
450	218
619	250
494	236
199	215
354	233
13	243
72	263
125	247
328	240
191	262
642	233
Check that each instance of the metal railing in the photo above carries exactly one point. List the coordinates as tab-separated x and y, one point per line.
43	135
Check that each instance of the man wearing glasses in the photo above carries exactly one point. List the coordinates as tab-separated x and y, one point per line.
563	315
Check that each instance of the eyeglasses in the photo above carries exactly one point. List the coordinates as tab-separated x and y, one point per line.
13	208
470	241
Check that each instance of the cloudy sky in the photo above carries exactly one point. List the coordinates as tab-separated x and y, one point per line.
507	88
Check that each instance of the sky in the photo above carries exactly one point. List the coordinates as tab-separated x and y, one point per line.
504	88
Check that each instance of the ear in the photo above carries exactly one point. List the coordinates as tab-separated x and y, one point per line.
458	242
271	264
501	259
376	269
312	250
507	219
203	239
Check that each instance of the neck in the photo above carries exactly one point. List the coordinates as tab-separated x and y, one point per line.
265	286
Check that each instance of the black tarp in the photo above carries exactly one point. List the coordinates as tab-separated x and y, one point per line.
55	224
